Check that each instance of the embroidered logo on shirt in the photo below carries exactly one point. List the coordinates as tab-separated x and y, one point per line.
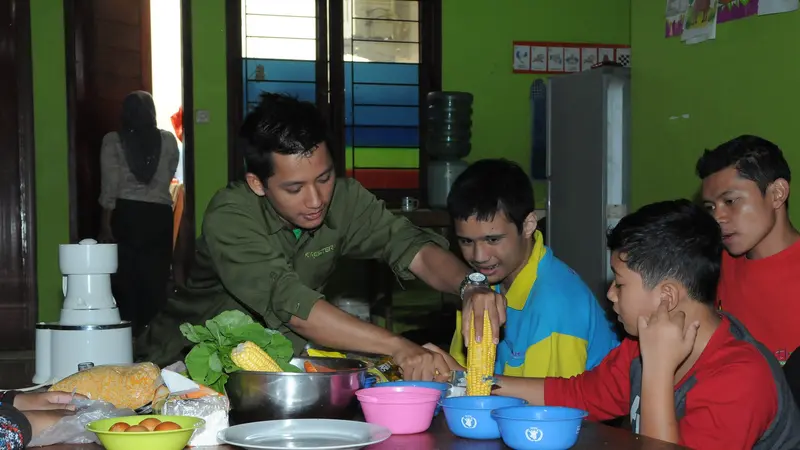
320	252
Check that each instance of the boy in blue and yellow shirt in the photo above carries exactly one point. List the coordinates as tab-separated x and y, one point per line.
555	327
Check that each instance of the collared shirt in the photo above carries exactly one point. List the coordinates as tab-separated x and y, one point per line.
248	258
555	327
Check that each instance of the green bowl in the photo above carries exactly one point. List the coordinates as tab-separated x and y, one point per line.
161	440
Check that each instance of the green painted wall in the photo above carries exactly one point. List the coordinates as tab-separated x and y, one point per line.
739	83
210	93
50	137
476	58
50	118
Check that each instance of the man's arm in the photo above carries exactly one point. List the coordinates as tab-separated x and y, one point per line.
439	269
260	278
658	406
530	389
603	392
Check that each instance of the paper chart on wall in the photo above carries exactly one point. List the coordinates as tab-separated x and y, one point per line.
700	22
736	9
676	10
776	6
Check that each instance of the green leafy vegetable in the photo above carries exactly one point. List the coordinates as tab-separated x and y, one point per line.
209	361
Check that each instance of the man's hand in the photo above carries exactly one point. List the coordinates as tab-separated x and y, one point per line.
478	300
448	359
418	363
45	401
665	340
42	420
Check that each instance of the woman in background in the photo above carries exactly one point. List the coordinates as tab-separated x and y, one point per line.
138	164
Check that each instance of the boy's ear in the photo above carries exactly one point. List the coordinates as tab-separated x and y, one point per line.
779	190
670	291
529	225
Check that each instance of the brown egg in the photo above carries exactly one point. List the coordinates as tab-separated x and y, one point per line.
167	426
119	427
150	423
137	429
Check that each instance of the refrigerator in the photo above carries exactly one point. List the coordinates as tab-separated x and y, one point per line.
587	167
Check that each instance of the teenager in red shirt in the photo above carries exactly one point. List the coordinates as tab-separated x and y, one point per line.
746	188
689	374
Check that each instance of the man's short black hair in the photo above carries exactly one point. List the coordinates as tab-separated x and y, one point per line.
754	158
676	240
280	124
490	186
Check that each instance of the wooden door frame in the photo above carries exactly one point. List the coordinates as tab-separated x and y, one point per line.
27	157
185	245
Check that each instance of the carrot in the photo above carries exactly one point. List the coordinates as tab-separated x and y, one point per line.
311	368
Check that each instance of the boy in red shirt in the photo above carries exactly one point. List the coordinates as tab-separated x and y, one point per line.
746	188
688	374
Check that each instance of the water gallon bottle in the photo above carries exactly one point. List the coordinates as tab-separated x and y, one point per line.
449	132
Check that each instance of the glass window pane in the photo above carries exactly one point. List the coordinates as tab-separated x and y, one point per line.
385	30
303	8
272	70
281	27
385	9
398	52
275	48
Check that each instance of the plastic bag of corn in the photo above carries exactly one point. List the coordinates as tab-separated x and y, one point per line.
131	386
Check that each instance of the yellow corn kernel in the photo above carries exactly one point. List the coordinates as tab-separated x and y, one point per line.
250	357
480	360
129	386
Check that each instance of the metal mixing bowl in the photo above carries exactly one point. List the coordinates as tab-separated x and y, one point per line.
257	396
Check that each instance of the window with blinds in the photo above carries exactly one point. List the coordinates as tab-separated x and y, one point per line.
382	72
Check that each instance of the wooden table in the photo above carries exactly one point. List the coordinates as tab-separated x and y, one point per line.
593	436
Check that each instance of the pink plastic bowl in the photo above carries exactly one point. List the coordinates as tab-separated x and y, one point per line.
401	409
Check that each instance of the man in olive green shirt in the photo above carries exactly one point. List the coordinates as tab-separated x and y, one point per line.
270	243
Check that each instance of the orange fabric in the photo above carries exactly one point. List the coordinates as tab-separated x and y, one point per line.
177	123
177	212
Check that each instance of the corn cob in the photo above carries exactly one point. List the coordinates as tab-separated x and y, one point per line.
250	357
480	360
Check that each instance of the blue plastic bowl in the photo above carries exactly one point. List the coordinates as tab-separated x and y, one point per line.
471	418
423	384
539	427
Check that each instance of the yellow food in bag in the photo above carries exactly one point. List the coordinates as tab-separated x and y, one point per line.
382	368
131	386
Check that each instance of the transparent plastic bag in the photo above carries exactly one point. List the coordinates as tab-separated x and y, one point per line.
72	429
212	408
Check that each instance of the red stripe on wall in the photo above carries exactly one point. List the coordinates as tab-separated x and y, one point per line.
386	178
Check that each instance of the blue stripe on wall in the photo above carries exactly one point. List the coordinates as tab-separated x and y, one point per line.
374	94
387	115
369	72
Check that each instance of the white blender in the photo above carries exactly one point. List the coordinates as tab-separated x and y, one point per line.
90	332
